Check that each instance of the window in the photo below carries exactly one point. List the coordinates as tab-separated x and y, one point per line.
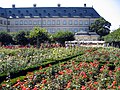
2	14
59	14
69	14
85	11
64	11
74	11
44	22
80	14
30	15
92	21
1	22
30	22
25	22
35	22
70	22
36	11
86	22
16	22
5	22
21	22
55	11
18	11
64	22
44	11
39	22
75	22
81	30
75	29
8	22
58	22
27	11
48	22
53	22
81	22
40	14
48	14
22	15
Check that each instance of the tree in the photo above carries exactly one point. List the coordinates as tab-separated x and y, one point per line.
101	27
5	38
62	36
113	36
21	38
38	35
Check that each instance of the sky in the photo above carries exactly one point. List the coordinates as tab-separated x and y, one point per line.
108	9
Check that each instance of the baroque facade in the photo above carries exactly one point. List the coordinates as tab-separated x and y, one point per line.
74	19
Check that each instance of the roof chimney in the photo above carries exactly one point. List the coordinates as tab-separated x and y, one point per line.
84	5
59	5
13	6
34	5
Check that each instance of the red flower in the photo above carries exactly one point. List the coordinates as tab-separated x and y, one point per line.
44	81
118	69
24	88
95	83
40	68
3	85
83	74
83	88
68	85
118	87
61	72
110	72
35	88
102	69
114	82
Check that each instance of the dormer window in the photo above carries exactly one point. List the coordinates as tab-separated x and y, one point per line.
80	14
64	11
27	11
40	14
44	11
13	15
36	11
59	14
69	14
2	14
74	11
10	12
91	14
49	14
18	11
21	15
85	11
30	15
54	10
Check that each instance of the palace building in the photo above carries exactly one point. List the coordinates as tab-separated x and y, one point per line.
74	19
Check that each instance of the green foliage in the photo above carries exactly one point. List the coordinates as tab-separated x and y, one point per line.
113	37
38	35
5	38
62	36
21	38
101	27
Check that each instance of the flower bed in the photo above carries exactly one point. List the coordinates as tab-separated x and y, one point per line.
20	61
77	74
70	75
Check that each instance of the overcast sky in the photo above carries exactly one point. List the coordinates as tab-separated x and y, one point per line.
109	9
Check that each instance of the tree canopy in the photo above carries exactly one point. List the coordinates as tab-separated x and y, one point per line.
62	36
5	38
21	38
38	35
101	27
113	36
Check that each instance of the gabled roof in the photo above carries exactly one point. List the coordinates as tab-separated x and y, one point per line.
49	12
